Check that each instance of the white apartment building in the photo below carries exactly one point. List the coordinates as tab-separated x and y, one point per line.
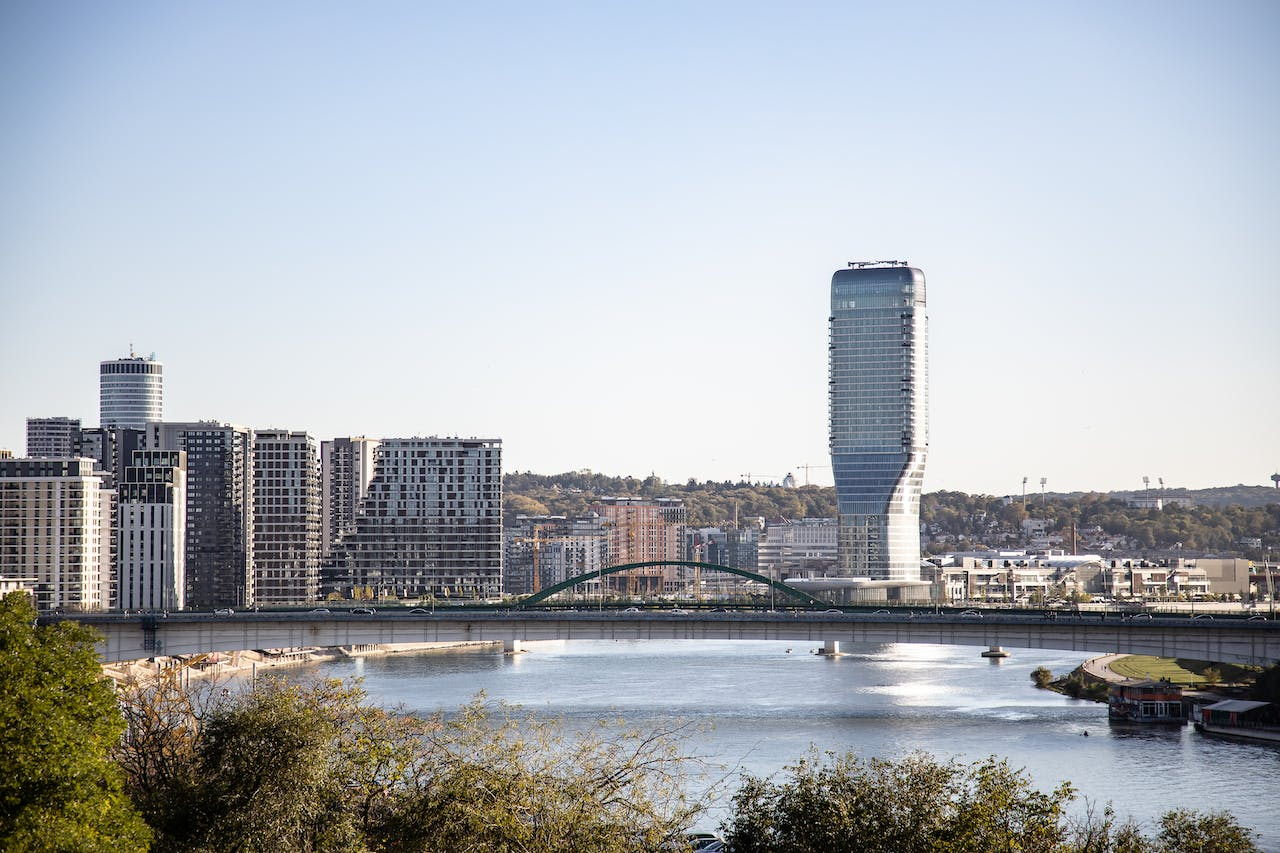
286	518
346	470
55	532
153	531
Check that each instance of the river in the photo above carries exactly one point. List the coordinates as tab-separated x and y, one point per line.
765	703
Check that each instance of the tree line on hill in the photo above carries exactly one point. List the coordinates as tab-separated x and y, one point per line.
314	766
971	520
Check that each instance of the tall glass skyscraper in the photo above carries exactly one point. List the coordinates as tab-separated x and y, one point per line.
879	400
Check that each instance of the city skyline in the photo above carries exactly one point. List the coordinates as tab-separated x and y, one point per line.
607	242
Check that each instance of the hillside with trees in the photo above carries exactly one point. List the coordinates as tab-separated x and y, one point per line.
1212	523
708	502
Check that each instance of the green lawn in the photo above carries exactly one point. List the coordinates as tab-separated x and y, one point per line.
1189	673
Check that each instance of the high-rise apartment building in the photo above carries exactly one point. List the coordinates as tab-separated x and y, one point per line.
152	531
639	530
53	438
286	518
431	523
55	532
801	548
879	399
110	448
130	392
542	550
219	508
346	469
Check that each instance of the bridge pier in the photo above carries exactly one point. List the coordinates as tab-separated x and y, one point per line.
995	652
830	648
512	647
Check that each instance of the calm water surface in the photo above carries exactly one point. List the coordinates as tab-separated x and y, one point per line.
765	703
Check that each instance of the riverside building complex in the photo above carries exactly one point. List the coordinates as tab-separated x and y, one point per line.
879	400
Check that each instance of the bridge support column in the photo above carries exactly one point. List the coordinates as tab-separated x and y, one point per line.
830	648
995	652
512	647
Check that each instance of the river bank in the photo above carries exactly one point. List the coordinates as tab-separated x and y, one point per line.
252	662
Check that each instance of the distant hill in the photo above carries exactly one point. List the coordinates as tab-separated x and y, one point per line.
1218	496
1219	519
707	502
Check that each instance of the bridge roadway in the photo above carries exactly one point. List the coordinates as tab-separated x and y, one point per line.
131	637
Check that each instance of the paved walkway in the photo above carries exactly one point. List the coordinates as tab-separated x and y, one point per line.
1100	667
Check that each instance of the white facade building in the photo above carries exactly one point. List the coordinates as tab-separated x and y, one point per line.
55	532
130	392
286	518
153	531
346	470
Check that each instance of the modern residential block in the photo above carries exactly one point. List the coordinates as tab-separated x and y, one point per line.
430	525
219	508
346	469
53	438
639	530
153	531
542	550
286	518
55	532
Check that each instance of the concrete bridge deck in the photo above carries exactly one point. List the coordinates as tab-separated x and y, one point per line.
131	637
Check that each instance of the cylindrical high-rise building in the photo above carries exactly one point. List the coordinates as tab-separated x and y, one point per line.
879	401
130	392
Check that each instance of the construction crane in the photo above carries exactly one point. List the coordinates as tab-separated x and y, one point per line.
815	467
747	476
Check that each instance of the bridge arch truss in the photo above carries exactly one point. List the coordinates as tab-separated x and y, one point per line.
569	583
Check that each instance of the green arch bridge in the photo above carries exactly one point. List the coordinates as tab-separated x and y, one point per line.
569	583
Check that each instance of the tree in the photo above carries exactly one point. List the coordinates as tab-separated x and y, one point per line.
58	721
1042	676
313	766
843	803
1190	831
503	782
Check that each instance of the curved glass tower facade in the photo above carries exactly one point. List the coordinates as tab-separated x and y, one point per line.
879	402
130	392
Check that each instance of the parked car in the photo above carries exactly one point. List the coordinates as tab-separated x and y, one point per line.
224	611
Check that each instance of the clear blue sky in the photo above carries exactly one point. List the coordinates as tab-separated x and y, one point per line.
604	232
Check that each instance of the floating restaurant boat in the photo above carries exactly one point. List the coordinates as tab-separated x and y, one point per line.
1148	702
1241	718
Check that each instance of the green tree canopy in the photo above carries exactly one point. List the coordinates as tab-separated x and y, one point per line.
58	722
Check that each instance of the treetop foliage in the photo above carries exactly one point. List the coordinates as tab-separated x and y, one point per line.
58	722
